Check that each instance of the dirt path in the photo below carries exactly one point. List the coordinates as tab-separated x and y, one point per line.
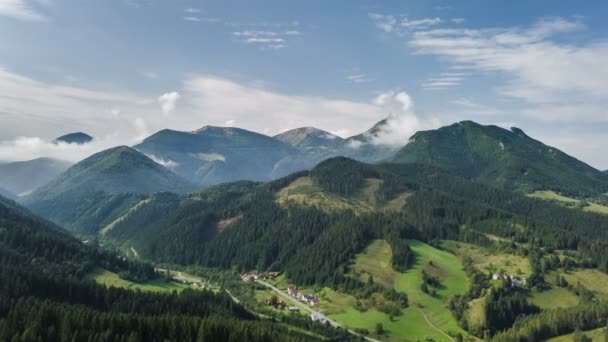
426	318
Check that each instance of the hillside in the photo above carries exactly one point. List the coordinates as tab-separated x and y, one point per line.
213	155
46	295
505	158
101	185
74	138
25	176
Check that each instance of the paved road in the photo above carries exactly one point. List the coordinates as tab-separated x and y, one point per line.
309	309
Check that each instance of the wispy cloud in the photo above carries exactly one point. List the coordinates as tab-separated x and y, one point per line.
444	80
360	78
419	23
168	102
539	68
266	39
192	10
191	18
385	23
20	9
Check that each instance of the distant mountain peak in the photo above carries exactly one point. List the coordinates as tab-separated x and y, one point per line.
74	138
308	137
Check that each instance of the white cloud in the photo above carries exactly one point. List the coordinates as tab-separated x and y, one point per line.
402	121
444	80
19	9
141	128
168	102
27	148
385	23
359	78
213	99
192	10
420	23
168	163
230	123
192	18
458	20
264	39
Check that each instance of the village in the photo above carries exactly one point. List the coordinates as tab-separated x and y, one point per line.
291	291
514	280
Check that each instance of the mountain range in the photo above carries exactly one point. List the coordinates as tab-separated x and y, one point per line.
213	155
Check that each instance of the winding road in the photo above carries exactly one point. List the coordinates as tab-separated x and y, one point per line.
309	309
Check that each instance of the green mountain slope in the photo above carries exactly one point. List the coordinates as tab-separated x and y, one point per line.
26	176
506	158
99	187
310	224
45	295
75	138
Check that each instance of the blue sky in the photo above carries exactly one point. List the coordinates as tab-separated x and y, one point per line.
121	70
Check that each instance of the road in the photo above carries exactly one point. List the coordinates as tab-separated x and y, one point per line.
434	326
309	309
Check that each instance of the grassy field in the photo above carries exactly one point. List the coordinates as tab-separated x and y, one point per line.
108	278
553	196
594	335
592	279
487	261
412	324
554	298
303	191
376	261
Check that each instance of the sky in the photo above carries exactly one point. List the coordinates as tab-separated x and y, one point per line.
121	70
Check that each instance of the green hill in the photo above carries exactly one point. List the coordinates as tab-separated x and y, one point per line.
92	191
505	158
26	176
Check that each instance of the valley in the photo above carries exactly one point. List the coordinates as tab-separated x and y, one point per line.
387	252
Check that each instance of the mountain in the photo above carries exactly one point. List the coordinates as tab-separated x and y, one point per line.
311	224
74	138
508	159
309	137
26	176
212	155
110	180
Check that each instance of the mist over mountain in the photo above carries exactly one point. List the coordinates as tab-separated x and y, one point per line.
26	176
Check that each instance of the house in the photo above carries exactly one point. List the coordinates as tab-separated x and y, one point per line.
293	308
314	302
291	290
273	275
495	276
